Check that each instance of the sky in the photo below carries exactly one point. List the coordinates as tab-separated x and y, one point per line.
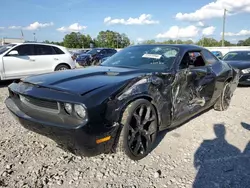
139	19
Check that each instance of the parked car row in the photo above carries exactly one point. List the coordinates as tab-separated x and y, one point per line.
94	56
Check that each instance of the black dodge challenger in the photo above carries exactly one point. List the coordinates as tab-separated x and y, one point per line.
124	102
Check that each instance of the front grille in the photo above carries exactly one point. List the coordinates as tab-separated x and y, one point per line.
40	104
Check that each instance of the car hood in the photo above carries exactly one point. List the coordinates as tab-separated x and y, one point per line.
239	64
85	80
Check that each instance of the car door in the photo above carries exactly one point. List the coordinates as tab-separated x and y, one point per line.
21	64
202	79
193	87
46	58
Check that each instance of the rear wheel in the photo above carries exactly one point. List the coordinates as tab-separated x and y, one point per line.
62	67
224	100
139	130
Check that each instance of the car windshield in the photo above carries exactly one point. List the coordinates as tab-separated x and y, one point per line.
93	51
237	56
6	47
144	57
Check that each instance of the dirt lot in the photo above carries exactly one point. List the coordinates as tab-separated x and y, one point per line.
212	150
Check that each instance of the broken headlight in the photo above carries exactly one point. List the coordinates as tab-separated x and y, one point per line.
245	71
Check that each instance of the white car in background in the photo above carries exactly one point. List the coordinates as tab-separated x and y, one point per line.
25	59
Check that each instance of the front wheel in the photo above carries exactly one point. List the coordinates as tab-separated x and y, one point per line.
224	100
139	130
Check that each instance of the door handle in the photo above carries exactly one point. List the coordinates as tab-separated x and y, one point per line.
56	59
32	59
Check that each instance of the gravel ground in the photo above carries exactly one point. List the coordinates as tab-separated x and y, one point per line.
197	154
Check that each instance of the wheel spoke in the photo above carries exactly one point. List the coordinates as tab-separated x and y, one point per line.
149	120
138	119
148	113
147	141
144	147
141	111
138	145
132	138
151	130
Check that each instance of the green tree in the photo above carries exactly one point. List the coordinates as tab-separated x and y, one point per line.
149	42
226	43
240	43
246	42
112	39
72	40
208	42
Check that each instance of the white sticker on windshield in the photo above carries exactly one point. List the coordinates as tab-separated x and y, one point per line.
154	56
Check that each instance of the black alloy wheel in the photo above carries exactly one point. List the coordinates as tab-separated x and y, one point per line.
140	129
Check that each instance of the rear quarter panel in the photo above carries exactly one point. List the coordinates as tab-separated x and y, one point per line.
224	73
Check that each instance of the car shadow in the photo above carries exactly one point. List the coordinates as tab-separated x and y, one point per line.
220	164
5	83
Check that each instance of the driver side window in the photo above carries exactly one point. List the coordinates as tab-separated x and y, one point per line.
192	59
23	50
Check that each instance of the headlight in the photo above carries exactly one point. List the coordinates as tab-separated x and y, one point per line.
68	108
245	71
80	111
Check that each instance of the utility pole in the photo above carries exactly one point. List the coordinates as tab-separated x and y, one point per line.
34	36
223	32
202	40
177	36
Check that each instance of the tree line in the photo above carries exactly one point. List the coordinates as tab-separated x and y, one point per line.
112	39
207	42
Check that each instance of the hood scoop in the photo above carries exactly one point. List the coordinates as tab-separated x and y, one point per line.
110	73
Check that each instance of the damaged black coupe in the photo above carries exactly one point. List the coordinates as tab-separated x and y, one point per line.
122	104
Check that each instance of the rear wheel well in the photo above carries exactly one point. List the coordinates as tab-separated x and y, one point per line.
65	64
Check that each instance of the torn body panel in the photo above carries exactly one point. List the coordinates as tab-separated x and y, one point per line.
154	87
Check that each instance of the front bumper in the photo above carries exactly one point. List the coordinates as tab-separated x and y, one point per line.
79	140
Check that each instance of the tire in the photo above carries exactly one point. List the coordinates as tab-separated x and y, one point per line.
62	67
136	138
224	100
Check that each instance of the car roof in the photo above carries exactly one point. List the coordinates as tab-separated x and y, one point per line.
238	51
41	43
104	48
180	46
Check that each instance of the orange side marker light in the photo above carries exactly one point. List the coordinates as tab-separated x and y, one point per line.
105	139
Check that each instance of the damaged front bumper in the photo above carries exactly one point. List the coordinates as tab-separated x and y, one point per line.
83	139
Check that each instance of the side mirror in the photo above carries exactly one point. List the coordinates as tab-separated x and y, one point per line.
13	53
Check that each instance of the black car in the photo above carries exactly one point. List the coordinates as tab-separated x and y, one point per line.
122	104
241	61
218	54
95	55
